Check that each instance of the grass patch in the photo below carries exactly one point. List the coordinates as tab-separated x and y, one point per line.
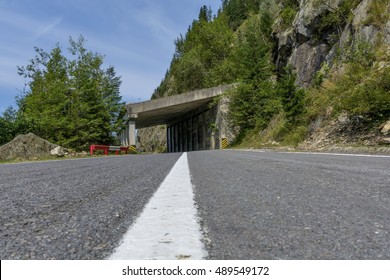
378	13
287	14
279	132
296	136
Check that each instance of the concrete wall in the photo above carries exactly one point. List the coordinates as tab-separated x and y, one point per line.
201	129
192	124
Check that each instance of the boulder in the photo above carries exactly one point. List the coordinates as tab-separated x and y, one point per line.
58	151
27	146
343	118
384	141
385	128
361	14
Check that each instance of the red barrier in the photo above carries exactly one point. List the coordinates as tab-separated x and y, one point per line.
106	149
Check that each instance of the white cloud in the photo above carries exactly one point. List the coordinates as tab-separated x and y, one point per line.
136	37
151	17
18	22
46	28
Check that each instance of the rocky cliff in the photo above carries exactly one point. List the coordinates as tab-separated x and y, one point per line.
321	28
152	139
317	40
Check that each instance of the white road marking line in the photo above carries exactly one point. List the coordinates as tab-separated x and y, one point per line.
317	153
337	154
168	228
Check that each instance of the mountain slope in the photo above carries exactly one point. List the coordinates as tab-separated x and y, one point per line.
302	65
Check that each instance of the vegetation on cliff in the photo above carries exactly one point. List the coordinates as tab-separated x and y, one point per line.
236	46
241	44
296	64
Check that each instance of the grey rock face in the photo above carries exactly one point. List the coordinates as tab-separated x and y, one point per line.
152	139
307	45
385	128
386	32
27	146
307	60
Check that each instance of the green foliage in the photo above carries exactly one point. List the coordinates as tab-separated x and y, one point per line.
255	101
239	10
362	91
288	15
71	102
13	123
292	97
296	136
276	129
252	54
251	107
378	13
236	46
338	16
190	71
7	125
321	75
201	57
288	12
363	88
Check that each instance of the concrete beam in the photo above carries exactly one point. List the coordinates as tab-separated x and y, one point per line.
163	110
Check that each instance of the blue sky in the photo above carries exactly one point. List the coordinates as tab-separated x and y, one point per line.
136	37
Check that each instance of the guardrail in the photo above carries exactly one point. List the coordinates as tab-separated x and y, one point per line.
106	149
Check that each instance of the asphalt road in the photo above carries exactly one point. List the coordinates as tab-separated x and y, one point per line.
74	209
293	206
252	205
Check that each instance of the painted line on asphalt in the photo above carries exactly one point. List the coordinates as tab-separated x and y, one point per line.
168	227
316	153
337	154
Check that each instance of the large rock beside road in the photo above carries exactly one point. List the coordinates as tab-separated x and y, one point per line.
385	128
58	151
27	146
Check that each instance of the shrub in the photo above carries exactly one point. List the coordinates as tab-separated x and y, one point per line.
378	13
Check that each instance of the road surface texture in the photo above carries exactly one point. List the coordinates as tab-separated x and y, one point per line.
74	209
251	205
293	206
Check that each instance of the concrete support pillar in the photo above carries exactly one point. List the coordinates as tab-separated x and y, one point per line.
195	123
204	131
171	148
179	138
126	136
176	139
185	138
189	135
172	139
198	133
123	140
207	122
168	139
180	134
132	134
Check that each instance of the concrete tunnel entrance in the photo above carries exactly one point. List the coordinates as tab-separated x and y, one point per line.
193	122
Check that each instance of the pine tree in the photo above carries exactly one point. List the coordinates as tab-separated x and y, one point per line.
72	102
